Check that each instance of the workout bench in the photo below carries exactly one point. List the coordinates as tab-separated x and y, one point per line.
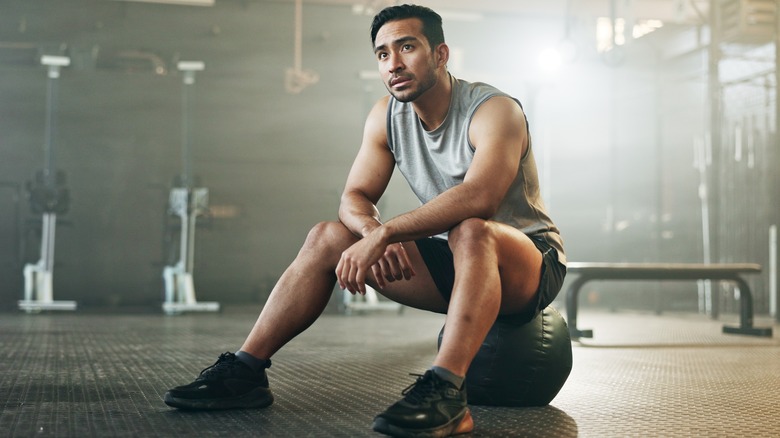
731	272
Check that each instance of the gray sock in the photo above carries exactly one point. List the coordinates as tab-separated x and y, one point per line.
256	364
449	376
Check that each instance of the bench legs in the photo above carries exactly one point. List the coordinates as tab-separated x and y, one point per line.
572	303
745	315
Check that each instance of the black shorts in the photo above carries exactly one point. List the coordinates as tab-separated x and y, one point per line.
438	258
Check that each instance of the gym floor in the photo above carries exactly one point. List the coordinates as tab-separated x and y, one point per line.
90	374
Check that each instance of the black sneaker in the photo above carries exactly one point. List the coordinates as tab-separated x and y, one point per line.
227	384
431	407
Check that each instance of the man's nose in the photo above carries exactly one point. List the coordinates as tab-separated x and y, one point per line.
395	63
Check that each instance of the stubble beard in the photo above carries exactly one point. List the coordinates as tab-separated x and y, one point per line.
426	83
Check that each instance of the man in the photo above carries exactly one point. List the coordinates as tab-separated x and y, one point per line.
465	151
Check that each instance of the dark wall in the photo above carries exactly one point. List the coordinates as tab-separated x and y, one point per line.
259	150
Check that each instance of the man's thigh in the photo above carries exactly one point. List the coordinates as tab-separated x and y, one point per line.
420	292
531	274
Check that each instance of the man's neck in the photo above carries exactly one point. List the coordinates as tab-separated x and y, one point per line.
432	107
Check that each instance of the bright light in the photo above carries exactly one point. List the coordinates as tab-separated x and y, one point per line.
644	27
605	28
603	34
550	60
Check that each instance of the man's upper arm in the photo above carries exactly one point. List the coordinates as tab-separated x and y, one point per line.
373	166
500	138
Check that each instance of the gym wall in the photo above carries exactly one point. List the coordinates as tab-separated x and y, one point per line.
613	142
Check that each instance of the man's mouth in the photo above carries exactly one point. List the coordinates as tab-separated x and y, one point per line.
400	80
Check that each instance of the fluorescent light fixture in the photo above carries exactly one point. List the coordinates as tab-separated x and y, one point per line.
190	65
58	61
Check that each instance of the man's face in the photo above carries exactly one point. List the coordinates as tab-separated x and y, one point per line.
407	65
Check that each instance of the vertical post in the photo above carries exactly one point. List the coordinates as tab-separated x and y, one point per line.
713	155
659	168
715	122
188	68
50	133
184	240
186	151
49	228
774	179
49	222
298	61
705	286
774	308
296	79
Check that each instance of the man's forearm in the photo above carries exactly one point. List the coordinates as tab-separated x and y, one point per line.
440	214
450	208
359	214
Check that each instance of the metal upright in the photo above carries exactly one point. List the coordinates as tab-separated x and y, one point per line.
38	277
187	202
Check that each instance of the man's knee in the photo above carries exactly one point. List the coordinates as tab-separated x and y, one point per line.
329	236
471	233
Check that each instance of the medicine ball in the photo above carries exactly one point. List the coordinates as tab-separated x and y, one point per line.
521	365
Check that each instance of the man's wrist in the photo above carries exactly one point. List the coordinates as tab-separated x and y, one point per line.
385	233
378	231
369	227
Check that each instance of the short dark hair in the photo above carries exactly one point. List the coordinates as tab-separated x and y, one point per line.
431	21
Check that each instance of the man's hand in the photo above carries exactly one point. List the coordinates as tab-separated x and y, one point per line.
395	265
388	263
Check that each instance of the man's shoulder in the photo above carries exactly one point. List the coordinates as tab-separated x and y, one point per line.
476	88
471	96
474	94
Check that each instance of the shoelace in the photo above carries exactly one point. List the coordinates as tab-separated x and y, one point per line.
421	389
224	362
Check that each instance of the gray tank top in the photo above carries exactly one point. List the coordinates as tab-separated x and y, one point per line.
434	161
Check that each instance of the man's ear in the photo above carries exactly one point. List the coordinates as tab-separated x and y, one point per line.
443	53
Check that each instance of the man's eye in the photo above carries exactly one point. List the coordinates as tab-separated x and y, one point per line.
407	47
381	55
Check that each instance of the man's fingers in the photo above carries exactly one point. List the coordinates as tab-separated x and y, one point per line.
409	271
378	275
393	265
352	276
405	269
387	274
339	272
360	281
352	280
344	271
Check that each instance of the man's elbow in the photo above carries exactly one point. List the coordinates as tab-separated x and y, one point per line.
486	207
484	199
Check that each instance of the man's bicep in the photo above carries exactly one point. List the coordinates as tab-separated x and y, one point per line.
374	163
498	133
371	172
